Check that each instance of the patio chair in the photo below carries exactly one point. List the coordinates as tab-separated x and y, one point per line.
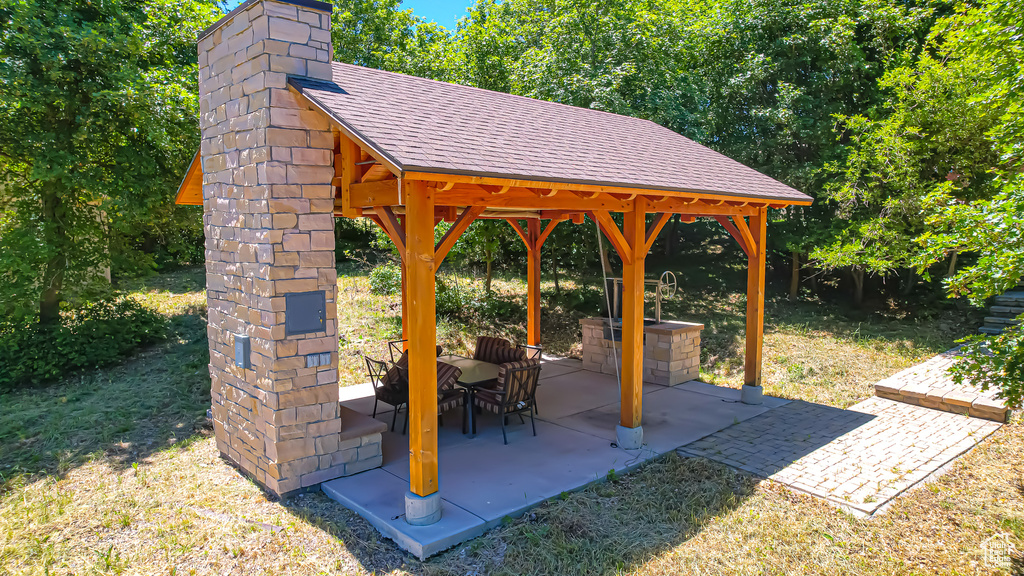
496	351
533	352
396	348
449	396
388	387
516	393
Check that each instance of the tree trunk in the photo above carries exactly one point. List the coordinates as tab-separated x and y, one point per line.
53	275
670	242
487	280
952	265
794	279
605	261
858	285
554	271
908	287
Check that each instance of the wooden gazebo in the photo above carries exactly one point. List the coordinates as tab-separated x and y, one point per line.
410	153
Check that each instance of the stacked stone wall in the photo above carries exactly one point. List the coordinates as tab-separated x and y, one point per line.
671	351
268	217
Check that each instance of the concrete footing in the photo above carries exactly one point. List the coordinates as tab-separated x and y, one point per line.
422	510
629	438
753	395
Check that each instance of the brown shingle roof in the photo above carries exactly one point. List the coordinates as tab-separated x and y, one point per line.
423	125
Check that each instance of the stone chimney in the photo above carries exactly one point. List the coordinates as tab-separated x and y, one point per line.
268	204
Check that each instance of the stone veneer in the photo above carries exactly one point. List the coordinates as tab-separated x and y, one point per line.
268	165
671	351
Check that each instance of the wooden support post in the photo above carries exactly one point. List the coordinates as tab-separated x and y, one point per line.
633	232
755	297
419	261
405	304
534	239
533	283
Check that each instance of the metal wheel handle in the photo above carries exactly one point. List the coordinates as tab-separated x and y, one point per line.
667	284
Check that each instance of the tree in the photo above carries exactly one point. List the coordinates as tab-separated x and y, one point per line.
758	80
931	135
378	34
990	36
98	117
772	74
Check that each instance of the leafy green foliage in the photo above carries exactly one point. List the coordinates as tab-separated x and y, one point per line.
939	174
90	336
98	118
994	362
933	140
386	279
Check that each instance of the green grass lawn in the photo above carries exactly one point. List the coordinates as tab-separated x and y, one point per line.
114	471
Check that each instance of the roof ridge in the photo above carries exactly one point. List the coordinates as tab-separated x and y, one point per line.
496	92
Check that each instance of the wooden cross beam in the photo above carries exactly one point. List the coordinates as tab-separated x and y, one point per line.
452	235
735	233
654	230
626	251
534	239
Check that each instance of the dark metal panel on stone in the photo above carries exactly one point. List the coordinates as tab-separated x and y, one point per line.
305	312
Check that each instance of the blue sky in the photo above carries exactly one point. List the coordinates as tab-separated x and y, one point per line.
444	12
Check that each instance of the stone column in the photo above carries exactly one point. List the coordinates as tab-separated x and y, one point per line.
268	217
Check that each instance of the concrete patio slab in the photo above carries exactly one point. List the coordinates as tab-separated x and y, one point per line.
672	418
732	394
482	480
371	494
493	480
552	369
561	396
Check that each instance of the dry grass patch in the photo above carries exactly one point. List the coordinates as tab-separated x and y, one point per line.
693	516
115	473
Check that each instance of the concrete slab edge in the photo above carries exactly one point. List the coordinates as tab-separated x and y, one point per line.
424	551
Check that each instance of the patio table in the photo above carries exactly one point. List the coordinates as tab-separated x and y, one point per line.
474	374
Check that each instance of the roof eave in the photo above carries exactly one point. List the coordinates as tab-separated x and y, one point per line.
417	171
186	190
388	160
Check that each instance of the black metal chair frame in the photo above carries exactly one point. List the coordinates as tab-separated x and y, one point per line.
513	395
533	352
395	347
378	373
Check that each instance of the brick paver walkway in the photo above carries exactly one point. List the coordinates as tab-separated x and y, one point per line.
860	458
929	384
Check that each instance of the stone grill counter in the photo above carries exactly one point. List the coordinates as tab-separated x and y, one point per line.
671	350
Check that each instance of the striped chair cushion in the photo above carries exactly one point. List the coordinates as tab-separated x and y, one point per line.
504	368
486	347
490	400
505	355
447	376
399	372
448	400
391	395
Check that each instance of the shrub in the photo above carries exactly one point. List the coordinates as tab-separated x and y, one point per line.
386	279
994	362
89	336
502	308
449	300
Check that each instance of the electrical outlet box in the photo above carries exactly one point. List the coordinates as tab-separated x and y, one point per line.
242	351
305	312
